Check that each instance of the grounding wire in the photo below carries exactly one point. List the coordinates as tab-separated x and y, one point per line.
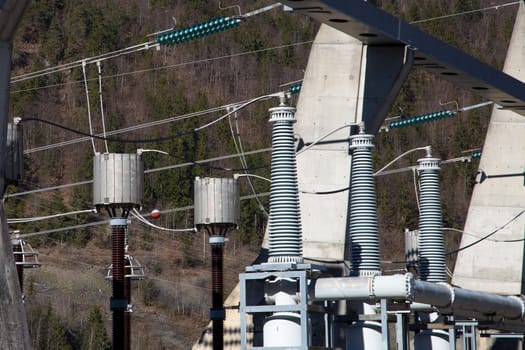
101	104
486	236
88	107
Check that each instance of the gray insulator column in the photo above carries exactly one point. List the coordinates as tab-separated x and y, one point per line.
432	265
285	237
363	230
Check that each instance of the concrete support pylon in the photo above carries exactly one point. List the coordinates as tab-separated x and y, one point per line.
14	333
497	204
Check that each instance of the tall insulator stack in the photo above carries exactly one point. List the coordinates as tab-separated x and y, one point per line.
364	233
432	262
25	258
284	223
217	212
118	187
133	272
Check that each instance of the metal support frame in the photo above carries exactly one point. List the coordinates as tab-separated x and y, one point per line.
469	330
402	331
384	325
252	299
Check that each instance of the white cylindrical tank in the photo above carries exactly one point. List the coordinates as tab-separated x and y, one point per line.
432	339
282	329
364	335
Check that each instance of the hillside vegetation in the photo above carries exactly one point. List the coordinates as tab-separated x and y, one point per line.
67	299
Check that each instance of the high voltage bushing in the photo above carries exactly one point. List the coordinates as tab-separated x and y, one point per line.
432	262
284	223
196	31
363	227
424	118
118	180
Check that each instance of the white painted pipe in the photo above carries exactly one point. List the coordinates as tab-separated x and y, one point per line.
444	297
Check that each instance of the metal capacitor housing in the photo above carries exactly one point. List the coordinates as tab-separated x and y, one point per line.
216	201
118	180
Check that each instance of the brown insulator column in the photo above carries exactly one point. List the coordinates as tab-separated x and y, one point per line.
217	312
118	303
127	296
19	259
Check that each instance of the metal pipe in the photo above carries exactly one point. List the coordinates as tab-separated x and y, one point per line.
446	298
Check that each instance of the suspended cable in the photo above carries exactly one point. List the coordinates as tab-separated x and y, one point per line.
147	171
236	136
177	65
302	150
486	236
105	222
84	61
252	175
488	239
414	177
88	107
232	106
109	139
135	213
495	7
426	148
102	104
47	217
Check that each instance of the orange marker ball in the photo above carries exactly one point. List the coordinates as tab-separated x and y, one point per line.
155	213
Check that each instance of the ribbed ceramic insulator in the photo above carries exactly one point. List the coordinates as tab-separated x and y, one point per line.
117	249
363	210
432	262
217	295
285	237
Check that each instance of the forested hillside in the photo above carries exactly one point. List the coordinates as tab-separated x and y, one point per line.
163	94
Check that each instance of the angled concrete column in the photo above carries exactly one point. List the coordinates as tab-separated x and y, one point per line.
497	203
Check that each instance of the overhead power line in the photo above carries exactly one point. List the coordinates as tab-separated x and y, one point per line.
147	171
105	222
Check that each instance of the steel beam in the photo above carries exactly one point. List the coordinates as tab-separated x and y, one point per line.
375	27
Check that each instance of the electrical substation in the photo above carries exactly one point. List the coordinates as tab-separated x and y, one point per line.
318	282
